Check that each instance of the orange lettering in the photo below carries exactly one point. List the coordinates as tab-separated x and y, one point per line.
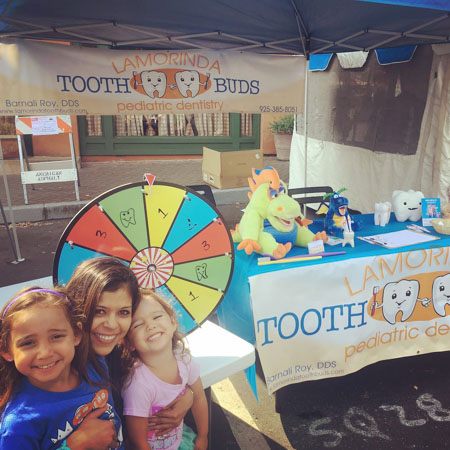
424	254
367	270
383	263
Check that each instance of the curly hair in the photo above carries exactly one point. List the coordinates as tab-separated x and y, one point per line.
178	344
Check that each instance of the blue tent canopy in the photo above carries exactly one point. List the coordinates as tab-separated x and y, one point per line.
432	4
264	26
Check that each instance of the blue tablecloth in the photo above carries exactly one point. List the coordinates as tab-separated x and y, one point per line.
235	311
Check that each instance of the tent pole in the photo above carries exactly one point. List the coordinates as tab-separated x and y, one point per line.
305	116
305	128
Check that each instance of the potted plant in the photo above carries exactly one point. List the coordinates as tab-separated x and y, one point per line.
282	130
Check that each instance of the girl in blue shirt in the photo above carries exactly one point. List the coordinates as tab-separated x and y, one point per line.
46	391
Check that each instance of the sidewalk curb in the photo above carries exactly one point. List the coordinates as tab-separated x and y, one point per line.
66	210
44	211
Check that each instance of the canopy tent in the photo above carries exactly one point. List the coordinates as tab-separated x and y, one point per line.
264	26
300	27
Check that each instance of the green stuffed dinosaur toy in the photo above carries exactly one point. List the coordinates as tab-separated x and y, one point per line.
272	222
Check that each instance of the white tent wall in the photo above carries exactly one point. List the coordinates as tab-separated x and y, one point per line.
434	143
371	176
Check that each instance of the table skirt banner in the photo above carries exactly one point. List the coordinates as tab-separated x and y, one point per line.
362	311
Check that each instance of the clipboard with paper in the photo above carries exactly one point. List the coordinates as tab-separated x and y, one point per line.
401	238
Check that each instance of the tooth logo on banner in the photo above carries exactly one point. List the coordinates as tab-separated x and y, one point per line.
170	83
152	82
441	293
400	297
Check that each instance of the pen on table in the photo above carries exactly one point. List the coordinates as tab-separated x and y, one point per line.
287	260
311	255
366	240
417	228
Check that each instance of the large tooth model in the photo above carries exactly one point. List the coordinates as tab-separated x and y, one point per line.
407	205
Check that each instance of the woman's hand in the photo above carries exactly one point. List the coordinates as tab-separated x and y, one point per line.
94	433
171	416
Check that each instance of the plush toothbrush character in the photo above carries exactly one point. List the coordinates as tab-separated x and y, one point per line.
338	219
272	222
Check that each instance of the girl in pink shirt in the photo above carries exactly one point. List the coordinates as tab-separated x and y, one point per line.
162	371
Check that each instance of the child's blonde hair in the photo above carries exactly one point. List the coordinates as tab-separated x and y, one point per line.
26	298
178	344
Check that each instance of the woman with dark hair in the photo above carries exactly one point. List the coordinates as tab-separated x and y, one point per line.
108	292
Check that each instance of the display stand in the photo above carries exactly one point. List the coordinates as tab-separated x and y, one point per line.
49	171
14	245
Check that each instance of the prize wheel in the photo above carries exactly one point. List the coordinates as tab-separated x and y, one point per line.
173	239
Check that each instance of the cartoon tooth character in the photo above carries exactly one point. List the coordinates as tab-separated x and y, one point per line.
153	81
407	205
382	213
441	293
401	296
189	80
128	217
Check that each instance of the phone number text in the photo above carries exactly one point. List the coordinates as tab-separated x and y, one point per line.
278	109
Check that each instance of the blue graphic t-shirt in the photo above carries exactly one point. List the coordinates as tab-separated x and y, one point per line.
38	419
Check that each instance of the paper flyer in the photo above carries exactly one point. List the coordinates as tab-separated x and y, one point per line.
431	209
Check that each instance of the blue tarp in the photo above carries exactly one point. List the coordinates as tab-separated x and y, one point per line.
385	56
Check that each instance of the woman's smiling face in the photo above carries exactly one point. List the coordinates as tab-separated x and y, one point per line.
112	319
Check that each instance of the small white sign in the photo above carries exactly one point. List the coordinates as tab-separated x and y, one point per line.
316	247
334	240
44	125
48	176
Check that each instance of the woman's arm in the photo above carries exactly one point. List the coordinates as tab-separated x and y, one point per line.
171	416
93	433
200	412
137	432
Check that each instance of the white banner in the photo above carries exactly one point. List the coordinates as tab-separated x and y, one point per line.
43	79
332	319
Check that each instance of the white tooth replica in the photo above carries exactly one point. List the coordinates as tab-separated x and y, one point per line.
441	293
407	205
188	80
400	296
348	237
382	213
153	81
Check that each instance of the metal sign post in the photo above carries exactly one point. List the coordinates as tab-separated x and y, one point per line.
14	246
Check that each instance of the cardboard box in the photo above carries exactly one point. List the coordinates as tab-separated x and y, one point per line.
225	170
